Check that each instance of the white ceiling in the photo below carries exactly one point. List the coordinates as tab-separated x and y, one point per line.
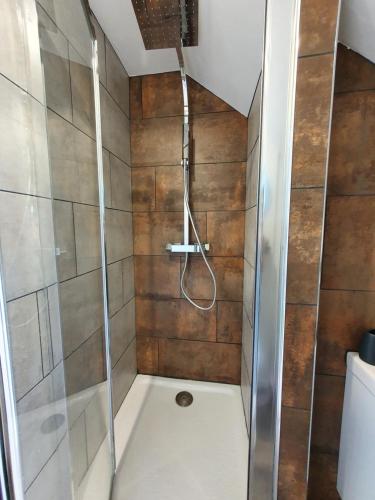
227	60
357	26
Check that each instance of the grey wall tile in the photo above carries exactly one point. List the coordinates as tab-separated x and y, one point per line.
25	340
87	237
73	162
101	50
55	476
128	277
24	165
97	423
121	184
247	340
42	423
115	287
252	176
82	93
19	52
254	118
119	235
246	392
78	450
124	374
107	179
248	288
65	242
251	235
45	330
55	322
115	127
90	355
27	243
55	58
81	304
117	79
122	330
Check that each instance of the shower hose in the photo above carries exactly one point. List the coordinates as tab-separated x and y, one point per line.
185	293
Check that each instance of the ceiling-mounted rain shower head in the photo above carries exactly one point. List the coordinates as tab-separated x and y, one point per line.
165	24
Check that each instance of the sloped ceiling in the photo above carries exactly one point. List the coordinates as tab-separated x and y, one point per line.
357	27
227	61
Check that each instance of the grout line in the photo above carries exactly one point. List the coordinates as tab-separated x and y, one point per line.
306	56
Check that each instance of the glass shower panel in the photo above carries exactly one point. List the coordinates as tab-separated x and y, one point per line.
66	43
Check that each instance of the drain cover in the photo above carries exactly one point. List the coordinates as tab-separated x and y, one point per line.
184	398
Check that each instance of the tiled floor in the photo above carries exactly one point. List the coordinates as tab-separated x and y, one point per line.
169	452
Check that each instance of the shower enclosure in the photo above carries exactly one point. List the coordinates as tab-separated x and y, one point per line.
67	297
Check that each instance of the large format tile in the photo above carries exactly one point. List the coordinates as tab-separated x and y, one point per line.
65	239
148	355
81	303
219	137
153	230
344	315
348	264
115	127
100	37
229	322
318	26
45	331
225	233
228	273
251	233
124	374
97	420
249	289
121	184
73	162
174	319
351	165
78	450
25	342
252	177
87	237
119	235
353	72
157	276
156	141
27	243
196	360
169	188
55	59
294	452
115	287
305	228
299	346
312	116
143	189
136	97
24	165
117	79
122	330
55	323
323	477
128	278
218	186
254	118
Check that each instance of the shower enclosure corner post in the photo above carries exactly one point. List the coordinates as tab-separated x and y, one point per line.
107	336
277	123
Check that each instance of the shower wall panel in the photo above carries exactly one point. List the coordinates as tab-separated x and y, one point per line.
347	291
318	23
173	338
251	219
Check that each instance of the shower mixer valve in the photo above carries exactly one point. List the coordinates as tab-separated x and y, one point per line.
190	248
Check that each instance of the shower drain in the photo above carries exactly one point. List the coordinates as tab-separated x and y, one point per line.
184	398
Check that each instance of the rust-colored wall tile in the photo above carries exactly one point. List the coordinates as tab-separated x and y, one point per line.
229	322
298	355
229	278
293	454
136	97
193	360
353	72
218	186
352	158
305	226
169	188
147	355
343	317
314	92
328	401
225	233
323	477
157	276
219	137
318	26
349	249
143	188
162	96
175	319
157	141
153	230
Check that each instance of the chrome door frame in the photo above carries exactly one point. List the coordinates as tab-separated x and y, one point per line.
276	146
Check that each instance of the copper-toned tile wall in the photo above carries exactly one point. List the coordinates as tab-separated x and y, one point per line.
311	139
348	279
173	338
